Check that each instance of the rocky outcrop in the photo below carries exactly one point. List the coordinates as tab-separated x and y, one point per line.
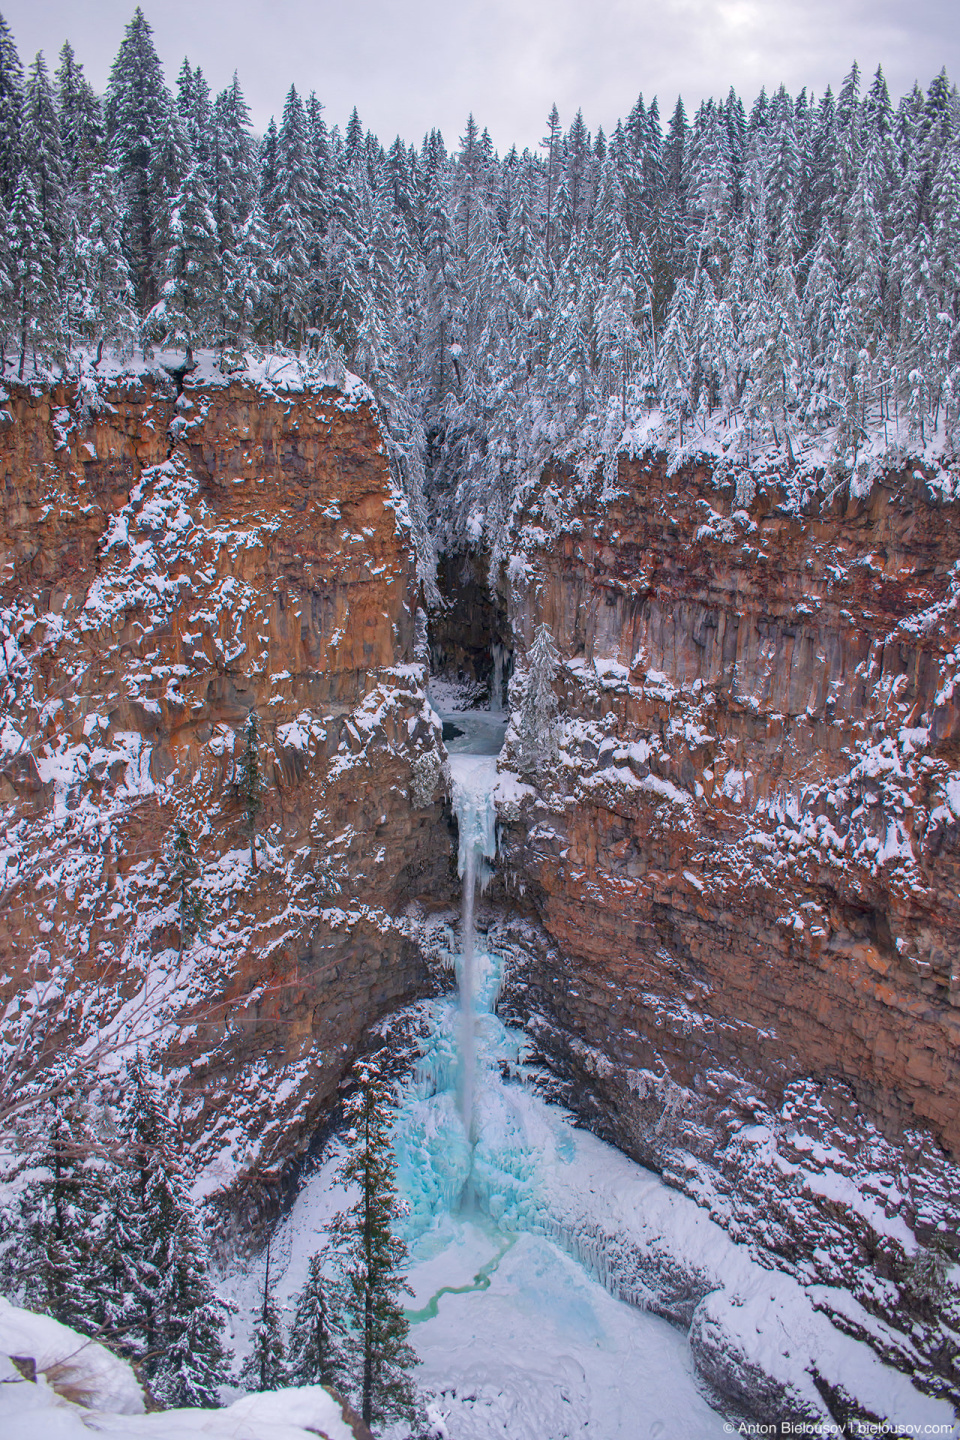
172	564
741	873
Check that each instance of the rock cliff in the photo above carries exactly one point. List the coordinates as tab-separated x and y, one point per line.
741	875
176	557
730	906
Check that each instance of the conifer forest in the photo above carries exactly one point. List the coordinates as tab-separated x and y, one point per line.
781	268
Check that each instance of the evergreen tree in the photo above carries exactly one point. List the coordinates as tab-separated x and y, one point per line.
137	110
194	1362
184	316
161	1298
80	122
11	108
246	302
63	1225
186	874
372	1259
318	1353
551	143
347	257
268	175
232	199
537	720
250	784
102	305
265	1368
41	140
33	274
294	205
196	117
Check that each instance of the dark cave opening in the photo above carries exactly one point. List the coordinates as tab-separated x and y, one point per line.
470	636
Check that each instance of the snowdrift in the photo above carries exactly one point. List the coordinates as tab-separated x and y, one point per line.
58	1384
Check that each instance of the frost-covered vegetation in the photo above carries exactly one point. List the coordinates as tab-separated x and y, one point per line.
98	1231
783	278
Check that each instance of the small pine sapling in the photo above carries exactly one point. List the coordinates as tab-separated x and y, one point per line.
928	1274
186	873
250	784
537	722
265	1368
372	1259
316	1345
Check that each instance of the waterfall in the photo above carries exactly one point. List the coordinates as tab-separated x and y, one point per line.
474	780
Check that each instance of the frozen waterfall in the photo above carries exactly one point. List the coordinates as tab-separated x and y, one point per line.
533	1245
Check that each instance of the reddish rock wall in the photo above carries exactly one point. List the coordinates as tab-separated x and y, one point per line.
170	565
743	869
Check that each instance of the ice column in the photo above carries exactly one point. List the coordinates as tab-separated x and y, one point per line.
474	781
496	684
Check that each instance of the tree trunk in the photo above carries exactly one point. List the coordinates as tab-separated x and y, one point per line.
368	1291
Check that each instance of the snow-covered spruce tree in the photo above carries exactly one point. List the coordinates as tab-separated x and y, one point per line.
184	315
246	300
372	1258
63	1226
80	121
102	306
232	196
250	783
33	274
295	202
41	141
317	1348
138	106
186	874
265	1368
537	720
11	106
162	1301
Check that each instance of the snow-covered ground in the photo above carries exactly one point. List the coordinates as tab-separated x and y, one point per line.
65	1387
545	1350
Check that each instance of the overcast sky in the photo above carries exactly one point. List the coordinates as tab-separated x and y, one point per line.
411	64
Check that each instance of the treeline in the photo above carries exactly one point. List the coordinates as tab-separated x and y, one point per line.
791	272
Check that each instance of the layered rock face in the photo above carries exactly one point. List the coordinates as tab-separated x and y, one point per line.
731	906
742	873
173	564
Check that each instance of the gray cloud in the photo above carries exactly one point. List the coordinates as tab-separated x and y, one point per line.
412	64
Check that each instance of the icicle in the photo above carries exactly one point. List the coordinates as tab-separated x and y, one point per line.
496	684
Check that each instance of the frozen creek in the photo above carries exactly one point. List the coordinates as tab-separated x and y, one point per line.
534	1246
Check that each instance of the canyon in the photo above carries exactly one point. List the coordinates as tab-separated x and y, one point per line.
727	912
